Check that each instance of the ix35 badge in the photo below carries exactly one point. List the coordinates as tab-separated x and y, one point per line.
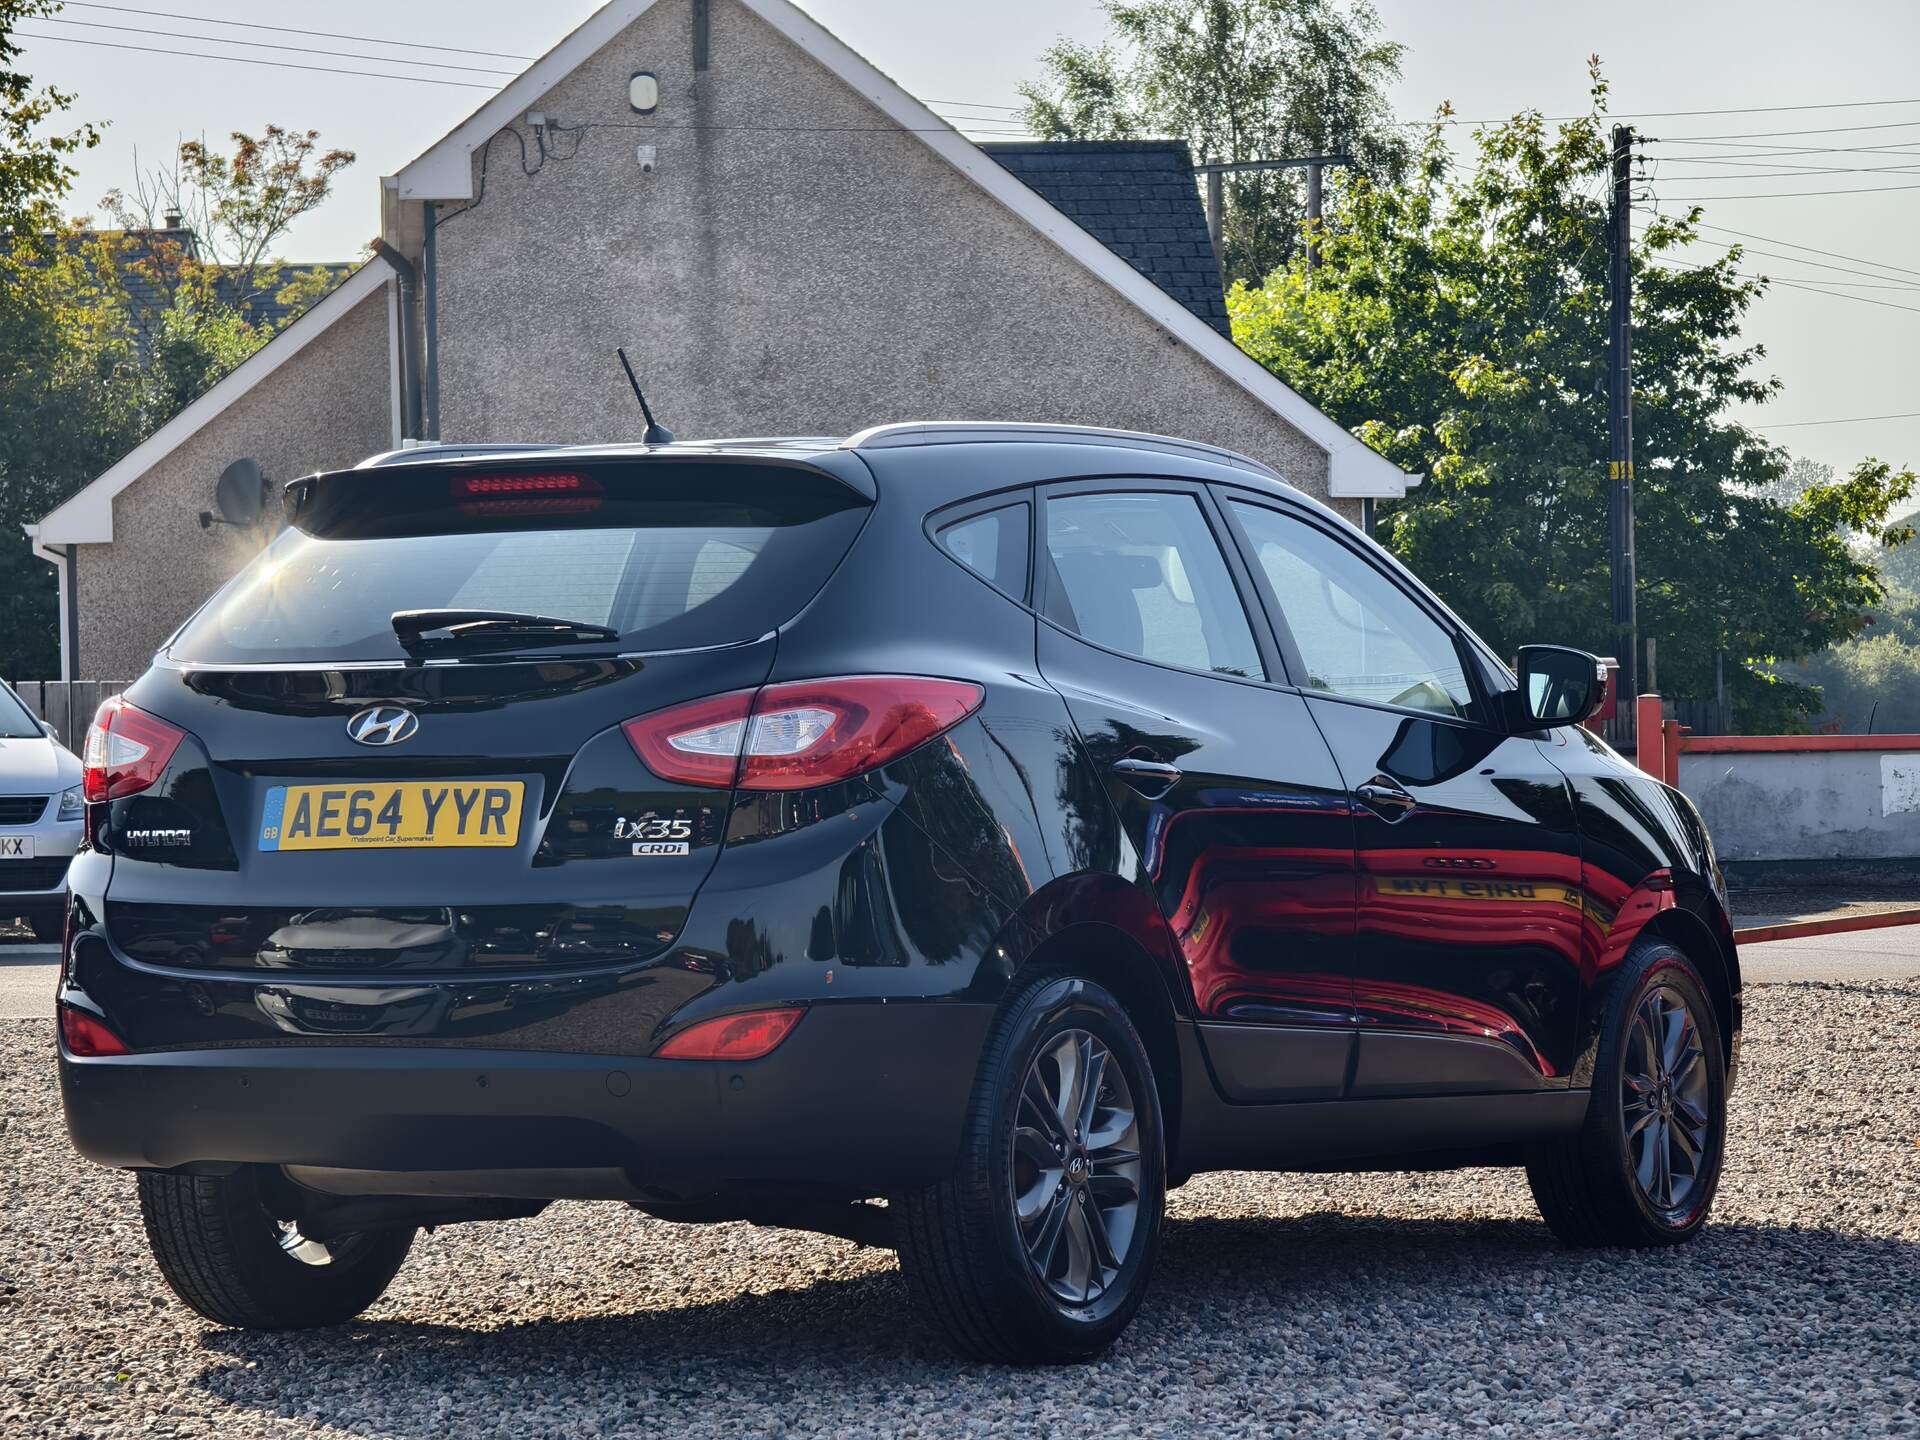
655	834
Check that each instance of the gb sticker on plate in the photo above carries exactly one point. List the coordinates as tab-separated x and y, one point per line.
655	834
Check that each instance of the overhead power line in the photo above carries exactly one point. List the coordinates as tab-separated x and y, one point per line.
1808	260
1792	285
1784	194
289	30
1678	114
1844	420
270	45
257	60
1791	245
1769	134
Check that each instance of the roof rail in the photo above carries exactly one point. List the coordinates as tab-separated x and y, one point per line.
956	432
438	450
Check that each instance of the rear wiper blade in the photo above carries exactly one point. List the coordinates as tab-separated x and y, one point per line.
432	628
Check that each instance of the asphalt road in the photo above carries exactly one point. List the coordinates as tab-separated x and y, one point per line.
27	971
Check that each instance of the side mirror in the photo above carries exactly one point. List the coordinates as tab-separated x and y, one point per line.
1558	686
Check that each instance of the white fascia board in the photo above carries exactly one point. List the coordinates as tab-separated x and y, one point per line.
87	517
445	172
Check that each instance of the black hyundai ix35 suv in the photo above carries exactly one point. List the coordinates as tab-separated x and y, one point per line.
1006	822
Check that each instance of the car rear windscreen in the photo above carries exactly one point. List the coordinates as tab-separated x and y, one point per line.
714	559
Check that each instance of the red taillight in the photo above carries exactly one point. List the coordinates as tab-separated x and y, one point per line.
801	733
547	494
82	1034
127	750
732	1037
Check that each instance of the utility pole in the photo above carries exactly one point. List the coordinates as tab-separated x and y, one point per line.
1314	165
1313	215
1620	413
1216	207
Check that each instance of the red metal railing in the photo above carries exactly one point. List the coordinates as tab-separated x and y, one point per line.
1659	744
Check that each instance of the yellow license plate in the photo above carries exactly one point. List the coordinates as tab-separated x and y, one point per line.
404	815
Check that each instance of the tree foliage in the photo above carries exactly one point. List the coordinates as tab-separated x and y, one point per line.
106	334
1457	325
1237	80
34	173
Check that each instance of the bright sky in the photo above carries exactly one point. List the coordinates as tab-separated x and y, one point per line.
1852	351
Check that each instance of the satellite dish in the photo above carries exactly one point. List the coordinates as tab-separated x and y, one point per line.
241	493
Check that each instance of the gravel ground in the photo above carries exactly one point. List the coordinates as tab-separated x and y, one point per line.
1380	1305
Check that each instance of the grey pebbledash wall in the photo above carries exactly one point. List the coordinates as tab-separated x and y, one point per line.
328	406
795	264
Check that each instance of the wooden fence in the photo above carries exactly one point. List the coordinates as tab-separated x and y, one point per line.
66	705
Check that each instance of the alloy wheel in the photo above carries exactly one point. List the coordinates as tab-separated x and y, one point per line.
1665	1103
1075	1167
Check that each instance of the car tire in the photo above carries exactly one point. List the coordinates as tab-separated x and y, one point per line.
49	927
1038	1249
1643	1168
224	1253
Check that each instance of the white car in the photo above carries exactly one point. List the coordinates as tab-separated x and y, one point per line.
41	818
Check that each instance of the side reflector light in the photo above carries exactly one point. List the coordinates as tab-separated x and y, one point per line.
555	494
127	750
84	1035
746	1036
802	733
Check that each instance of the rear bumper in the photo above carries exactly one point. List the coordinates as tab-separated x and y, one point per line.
862	1097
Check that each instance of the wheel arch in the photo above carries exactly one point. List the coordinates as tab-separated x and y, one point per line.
1715	958
1116	960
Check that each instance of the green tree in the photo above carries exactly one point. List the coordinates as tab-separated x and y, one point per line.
34	173
86	373
1237	80
50	427
1457	326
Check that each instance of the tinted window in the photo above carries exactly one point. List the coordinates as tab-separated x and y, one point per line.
1358	632
706	574
1141	573
15	722
994	545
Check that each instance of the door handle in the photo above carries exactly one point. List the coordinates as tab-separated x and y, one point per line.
1152	778
1386	799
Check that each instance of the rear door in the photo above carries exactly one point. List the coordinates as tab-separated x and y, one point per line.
1234	809
343	799
1467	961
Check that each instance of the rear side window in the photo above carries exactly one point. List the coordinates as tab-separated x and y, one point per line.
680	570
1142	574
993	545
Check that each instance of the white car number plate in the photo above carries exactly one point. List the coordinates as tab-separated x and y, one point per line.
16	847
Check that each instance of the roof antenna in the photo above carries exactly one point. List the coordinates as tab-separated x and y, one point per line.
657	434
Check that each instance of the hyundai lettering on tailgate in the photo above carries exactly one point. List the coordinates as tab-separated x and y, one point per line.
411	815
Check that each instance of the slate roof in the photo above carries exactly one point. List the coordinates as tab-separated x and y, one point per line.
145	295
147	298
1136	197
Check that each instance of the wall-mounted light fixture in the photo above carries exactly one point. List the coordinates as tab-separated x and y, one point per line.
643	92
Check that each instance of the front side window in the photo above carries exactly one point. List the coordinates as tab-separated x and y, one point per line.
1359	633
1142	574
